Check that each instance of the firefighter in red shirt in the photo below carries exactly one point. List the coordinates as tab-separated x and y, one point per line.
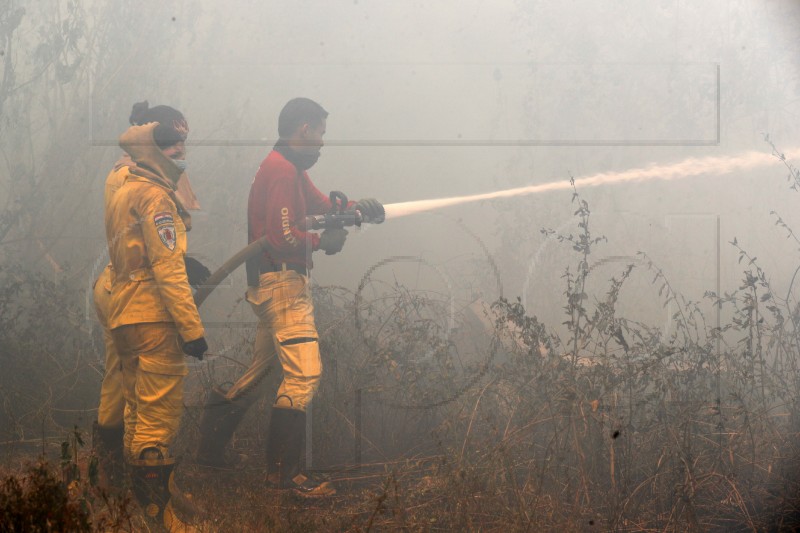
281	196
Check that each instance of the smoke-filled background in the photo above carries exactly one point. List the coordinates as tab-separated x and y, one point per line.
433	100
428	100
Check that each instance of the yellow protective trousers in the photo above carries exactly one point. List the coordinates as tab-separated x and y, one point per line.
286	331
153	370
110	413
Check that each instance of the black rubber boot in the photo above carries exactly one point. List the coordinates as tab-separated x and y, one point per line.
221	417
162	503
287	432
107	444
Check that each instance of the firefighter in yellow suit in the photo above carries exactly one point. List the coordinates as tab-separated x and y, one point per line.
108	431
152	315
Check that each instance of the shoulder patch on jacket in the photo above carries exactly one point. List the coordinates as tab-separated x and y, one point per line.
165	226
166	232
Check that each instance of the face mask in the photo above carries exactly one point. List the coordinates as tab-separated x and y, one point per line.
305	161
181	164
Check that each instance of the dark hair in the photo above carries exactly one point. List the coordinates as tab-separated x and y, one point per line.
172	126
297	112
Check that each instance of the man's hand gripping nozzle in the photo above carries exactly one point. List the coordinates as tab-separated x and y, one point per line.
341	216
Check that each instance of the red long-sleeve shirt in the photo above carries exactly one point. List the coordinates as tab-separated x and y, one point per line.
280	199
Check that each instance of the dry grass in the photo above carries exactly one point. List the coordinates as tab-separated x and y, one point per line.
602	424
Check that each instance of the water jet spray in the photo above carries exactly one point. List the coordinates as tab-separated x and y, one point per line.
710	166
339	217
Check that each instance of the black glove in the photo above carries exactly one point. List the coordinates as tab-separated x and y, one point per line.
371	209
196	271
332	240
196	348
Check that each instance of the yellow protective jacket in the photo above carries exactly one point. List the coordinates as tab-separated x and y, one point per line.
114	181
146	232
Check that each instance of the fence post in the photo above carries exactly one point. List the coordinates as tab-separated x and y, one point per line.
357	417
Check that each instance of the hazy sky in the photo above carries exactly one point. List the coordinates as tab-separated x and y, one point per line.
436	90
432	99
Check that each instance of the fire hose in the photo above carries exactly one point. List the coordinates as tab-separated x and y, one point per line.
339	217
